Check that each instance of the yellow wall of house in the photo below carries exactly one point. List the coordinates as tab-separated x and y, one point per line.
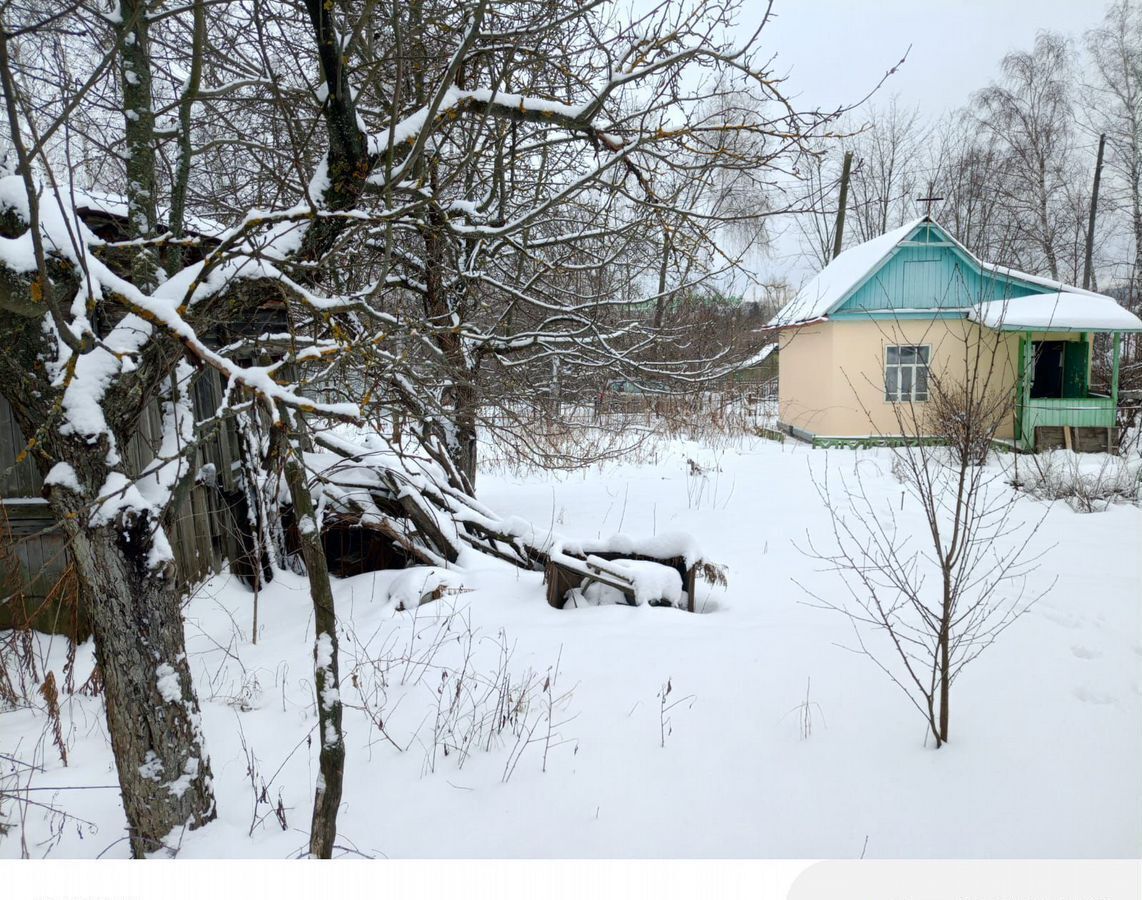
805	377
831	375
859	350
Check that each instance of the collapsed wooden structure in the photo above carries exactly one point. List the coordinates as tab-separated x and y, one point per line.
379	510
208	525
564	574
416	506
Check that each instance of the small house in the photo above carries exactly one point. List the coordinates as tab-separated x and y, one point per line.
863	344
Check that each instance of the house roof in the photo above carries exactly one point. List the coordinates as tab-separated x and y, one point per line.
825	292
1063	306
1059	311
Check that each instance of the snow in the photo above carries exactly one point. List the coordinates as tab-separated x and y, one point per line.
179	786
63	475
117	495
323	651
408	128
761	356
14	196
1060	311
166	679
419	584
593	593
152	769
1046	726
652	582
116	205
1007	272
830	286
667	545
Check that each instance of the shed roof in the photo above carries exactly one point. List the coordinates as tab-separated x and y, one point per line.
1060	311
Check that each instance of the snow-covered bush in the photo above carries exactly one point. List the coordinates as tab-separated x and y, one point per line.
1088	482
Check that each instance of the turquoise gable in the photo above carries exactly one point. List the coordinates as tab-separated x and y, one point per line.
928	273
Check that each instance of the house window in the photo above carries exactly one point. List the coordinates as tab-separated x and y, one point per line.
906	373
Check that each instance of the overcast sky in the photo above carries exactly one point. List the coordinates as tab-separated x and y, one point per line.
835	51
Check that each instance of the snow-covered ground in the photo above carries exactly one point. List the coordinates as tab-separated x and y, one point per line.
1046	727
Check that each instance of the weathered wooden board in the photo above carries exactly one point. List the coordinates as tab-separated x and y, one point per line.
560	577
1082	440
35	584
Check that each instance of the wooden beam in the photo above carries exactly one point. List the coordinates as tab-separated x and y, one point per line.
1023	391
1117	338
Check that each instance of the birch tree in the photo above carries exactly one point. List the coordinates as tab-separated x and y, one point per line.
1114	107
1029	114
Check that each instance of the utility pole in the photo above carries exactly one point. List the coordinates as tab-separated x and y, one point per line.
1088	273
840	229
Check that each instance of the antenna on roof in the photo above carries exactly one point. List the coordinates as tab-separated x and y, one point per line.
929	201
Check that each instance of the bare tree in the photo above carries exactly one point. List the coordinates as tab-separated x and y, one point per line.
1029	115
887	173
965	169
410	192
820	179
326	664
924	603
1114	107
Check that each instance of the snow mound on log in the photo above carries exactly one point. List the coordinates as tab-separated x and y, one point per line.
420	584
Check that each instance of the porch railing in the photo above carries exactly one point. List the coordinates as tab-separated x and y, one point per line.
1092	411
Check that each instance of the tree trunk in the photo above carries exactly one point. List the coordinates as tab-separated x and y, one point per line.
663	271
945	691
139	137
463	449
152	711
1046	232
945	663
1136	227
327	796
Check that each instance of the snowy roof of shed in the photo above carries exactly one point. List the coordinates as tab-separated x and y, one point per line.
1065	310
115	205
831	286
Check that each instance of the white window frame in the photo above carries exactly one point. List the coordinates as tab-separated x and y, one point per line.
922	364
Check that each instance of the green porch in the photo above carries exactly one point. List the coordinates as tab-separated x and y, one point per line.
1054	404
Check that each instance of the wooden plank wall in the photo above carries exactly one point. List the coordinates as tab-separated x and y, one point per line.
33	553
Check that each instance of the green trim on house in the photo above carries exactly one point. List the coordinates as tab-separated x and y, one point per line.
929	270
850	315
1075	412
870	441
1117	338
1078	407
1023	384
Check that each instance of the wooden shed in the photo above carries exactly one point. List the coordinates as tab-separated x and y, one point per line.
36	587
